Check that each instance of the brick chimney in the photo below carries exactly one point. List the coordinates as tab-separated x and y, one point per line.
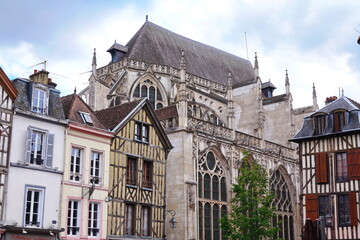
40	76
330	99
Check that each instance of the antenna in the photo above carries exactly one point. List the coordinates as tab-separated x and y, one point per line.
43	63
247	51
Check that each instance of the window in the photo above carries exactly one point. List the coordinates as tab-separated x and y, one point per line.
75	164
39	101
141	132
341	167
73	218
147	174
130	215
148	89
282	205
319	124
93	221
34	206
211	186
146	221
339	121
86	118
131	171
324	207
39	147
343	210
95	168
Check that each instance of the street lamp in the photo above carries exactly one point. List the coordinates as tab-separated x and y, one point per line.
172	221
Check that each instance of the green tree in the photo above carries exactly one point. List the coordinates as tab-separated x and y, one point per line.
251	212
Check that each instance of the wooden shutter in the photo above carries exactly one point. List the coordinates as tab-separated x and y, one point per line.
49	150
336	122
321	168
353	157
353	208
28	145
311	206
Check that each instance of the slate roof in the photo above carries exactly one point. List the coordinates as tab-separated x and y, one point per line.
267	84
23	100
155	44
167	112
73	104
112	116
352	109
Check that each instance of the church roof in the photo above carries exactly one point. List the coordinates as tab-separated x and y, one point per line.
155	44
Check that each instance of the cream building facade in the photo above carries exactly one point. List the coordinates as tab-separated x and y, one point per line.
85	185
213	105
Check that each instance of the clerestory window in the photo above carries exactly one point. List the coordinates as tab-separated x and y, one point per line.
149	89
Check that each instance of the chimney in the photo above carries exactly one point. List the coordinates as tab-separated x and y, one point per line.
330	99
51	84
40	76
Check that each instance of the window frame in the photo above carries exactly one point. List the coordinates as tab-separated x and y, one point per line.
324	207
131	170
94	220
141	132
339	121
86	118
344	166
36	100
145	221
319	124
47	147
130	226
99	168
40	207
73	172
345	201
70	217
147	174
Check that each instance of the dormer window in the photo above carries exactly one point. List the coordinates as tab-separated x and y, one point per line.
319	124
39	101
339	121
86	118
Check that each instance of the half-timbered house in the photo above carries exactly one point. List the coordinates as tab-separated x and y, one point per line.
85	183
329	151
139	151
8	95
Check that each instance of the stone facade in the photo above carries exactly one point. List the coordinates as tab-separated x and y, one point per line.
212	108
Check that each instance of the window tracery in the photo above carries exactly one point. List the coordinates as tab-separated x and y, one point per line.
200	112
283	206
149	89
212	196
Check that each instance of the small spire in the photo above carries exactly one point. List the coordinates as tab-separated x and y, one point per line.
182	61
75	90
147	18
94	58
314	96
256	63
287	82
230	80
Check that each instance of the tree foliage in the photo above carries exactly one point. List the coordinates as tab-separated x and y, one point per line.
251	213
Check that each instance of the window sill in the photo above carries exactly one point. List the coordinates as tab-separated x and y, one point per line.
131	186
35	167
147	189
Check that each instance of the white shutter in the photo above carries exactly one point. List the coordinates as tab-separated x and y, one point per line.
28	144
49	150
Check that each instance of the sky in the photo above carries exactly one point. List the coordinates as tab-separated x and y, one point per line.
315	40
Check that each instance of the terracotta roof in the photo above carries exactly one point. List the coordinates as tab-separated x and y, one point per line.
167	112
112	116
154	44
73	104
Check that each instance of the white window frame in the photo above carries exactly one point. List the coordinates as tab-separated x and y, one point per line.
74	173
39	103
47	147
94	219
93	166
86	118
71	217
31	211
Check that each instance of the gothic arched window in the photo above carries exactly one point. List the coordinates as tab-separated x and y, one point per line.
212	197
149	89
283	206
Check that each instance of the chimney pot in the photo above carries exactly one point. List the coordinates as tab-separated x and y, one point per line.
35	71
